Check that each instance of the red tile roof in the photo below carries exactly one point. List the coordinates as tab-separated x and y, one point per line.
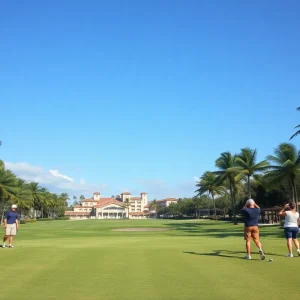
96	193
126	193
109	201
139	213
79	206
144	193
89	200
76	213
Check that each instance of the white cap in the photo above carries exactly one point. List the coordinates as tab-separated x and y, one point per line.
14	206
250	202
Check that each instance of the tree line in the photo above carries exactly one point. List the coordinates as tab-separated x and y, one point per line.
32	199
272	182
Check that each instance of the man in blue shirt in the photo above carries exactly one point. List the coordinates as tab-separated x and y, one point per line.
251	212
11	224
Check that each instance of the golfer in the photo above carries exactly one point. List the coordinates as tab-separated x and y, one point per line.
251	211
291	228
11	224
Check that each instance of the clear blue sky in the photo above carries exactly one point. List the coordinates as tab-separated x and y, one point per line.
144	95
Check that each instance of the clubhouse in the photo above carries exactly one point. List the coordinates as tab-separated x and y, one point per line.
98	207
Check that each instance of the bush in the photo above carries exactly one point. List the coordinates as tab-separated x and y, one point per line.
27	221
62	218
53	219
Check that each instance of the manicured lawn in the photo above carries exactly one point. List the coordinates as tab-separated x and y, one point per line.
196	260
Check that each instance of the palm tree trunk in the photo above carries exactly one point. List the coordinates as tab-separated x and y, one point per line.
214	203
232	194
295	196
249	188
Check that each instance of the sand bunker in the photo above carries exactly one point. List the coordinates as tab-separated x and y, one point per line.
140	229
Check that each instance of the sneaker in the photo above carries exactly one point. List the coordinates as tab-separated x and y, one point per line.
247	257
262	255
11	246
298	252
3	246
289	255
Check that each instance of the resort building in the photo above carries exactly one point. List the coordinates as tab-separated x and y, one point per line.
122	206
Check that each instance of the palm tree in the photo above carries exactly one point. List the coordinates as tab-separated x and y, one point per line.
209	183
2	164
154	206
8	188
286	168
225	163
38	195
200	202
246	166
127	205
298	126
23	196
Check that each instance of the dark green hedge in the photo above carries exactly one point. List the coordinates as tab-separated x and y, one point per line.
27	221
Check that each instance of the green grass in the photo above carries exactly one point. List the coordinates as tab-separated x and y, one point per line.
195	260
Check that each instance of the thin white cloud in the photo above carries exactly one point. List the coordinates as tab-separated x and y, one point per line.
53	179
196	178
57	174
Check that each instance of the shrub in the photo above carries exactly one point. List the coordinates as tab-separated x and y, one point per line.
53	219
62	218
27	221
45	219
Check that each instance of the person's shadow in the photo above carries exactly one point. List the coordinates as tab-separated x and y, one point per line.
227	254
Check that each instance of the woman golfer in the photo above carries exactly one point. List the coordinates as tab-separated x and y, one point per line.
291	228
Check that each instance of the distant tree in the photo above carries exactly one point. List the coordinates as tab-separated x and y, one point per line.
113	196
154	206
127	205
81	197
200	202
209	183
23	196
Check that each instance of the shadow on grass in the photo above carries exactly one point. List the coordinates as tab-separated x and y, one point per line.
230	254
222	253
220	230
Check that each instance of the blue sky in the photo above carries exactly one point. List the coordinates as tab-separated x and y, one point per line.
143	95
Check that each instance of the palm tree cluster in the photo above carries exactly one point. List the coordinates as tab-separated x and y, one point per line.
32	199
237	173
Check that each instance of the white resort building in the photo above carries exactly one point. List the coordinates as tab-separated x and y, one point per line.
111	208
116	208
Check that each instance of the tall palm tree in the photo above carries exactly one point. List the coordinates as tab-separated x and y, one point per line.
225	163
23	196
246	166
298	126
210	183
154	206
127	205
8	188
38	196
285	168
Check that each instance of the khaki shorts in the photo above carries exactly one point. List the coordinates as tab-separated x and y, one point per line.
251	232
11	229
